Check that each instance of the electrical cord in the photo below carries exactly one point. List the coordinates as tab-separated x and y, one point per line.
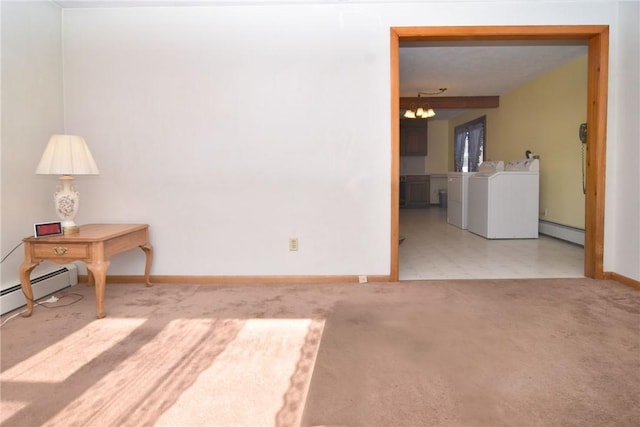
1	261
11	317
584	184
10	252
78	298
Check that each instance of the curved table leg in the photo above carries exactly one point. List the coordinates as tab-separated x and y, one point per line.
99	271
148	252
25	283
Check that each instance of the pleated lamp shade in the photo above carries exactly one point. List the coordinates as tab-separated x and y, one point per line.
67	155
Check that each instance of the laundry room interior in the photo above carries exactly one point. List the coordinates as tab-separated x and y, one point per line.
494	192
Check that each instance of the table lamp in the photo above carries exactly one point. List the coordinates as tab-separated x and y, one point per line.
67	155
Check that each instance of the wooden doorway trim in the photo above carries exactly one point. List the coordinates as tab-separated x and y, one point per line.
597	37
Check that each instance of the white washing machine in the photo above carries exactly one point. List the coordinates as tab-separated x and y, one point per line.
457	198
504	204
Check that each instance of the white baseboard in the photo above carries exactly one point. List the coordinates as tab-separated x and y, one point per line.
562	232
47	282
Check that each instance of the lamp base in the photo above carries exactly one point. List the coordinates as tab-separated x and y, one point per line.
67	200
74	229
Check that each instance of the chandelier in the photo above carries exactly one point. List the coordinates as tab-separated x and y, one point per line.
422	111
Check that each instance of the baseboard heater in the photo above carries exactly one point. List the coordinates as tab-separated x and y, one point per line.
45	284
562	232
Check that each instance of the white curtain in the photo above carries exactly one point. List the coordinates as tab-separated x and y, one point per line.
458	151
475	142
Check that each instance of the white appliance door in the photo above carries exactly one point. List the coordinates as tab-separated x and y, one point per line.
455	199
477	210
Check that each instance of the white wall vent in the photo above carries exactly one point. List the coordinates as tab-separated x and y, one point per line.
47	282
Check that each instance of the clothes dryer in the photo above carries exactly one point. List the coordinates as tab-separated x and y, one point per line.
457	198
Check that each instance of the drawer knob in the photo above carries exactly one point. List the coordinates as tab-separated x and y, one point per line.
60	250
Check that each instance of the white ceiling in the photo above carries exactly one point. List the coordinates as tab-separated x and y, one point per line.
478	68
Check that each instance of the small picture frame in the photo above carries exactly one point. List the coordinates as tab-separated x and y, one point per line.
45	229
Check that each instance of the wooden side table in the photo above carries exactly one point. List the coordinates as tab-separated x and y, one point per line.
95	244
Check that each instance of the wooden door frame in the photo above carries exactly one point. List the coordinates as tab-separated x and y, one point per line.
597	37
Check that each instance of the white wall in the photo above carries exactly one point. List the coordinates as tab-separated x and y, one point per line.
231	128
228	141
32	110
437	160
622	215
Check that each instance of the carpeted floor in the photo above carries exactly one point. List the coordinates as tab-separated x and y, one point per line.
560	352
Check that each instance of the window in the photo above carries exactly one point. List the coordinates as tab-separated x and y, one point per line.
469	145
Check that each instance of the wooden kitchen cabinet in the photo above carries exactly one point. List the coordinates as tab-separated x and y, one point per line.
417	188
413	137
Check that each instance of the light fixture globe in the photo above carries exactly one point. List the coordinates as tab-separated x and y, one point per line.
67	155
409	114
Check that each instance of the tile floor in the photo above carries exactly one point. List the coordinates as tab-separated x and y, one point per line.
433	249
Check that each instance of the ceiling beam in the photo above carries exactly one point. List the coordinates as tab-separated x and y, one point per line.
451	102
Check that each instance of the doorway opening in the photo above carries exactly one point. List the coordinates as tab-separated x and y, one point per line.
598	41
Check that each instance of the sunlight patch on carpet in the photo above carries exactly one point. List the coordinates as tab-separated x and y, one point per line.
8	409
209	372
62	359
264	372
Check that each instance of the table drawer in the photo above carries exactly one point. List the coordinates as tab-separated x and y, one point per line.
53	250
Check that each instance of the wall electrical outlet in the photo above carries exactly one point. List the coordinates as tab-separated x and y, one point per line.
543	212
362	279
293	244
